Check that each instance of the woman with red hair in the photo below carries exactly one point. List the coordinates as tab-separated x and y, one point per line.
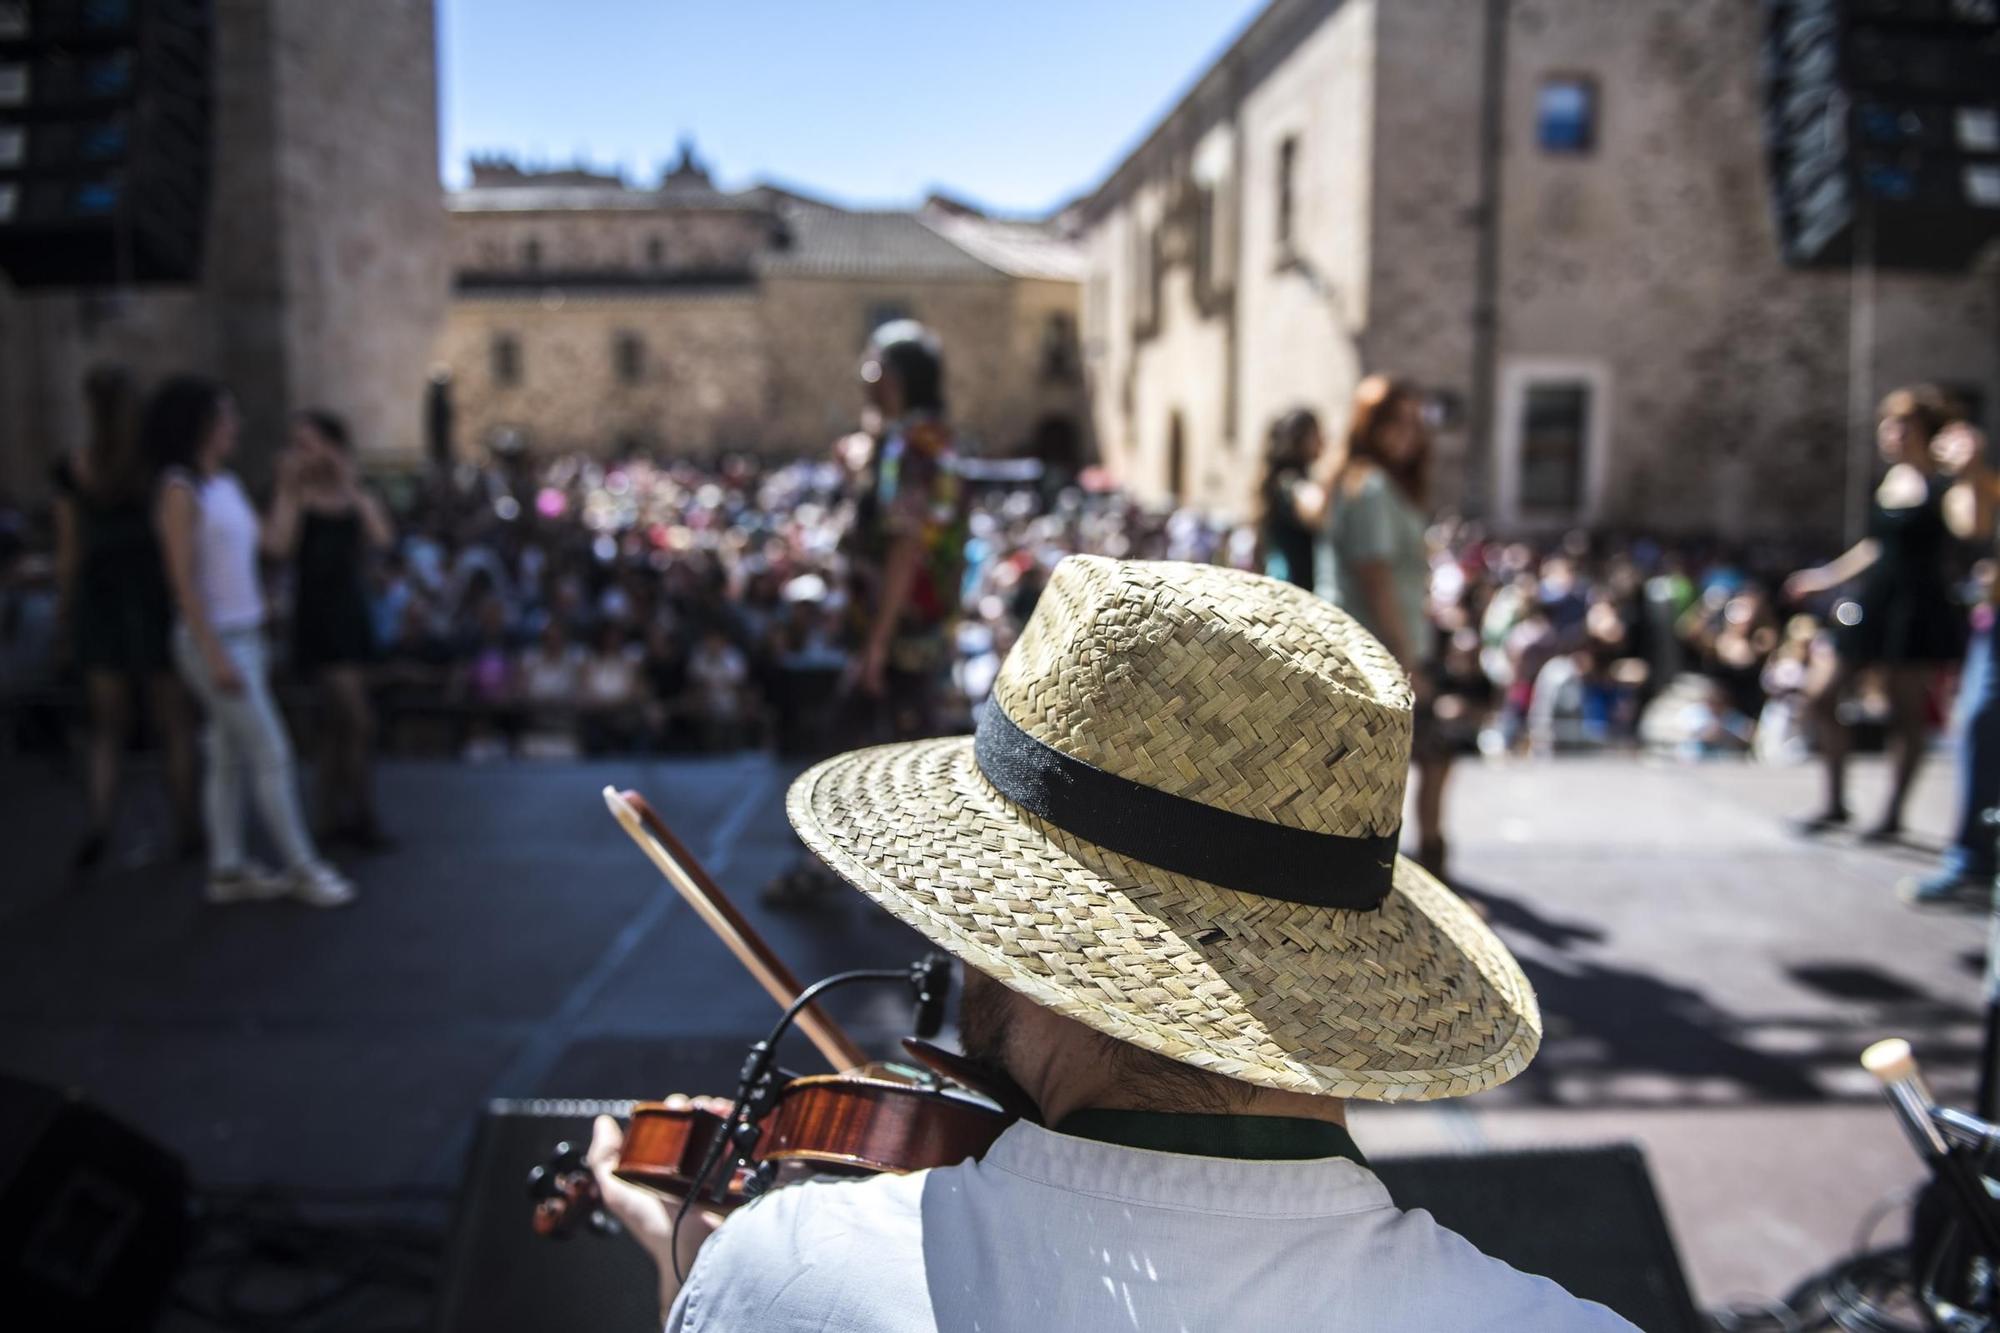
1382	566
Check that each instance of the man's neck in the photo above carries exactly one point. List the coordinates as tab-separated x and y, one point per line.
1263	1101
1061	1065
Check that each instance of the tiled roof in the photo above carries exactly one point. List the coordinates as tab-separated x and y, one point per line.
591	198
1023	249
836	243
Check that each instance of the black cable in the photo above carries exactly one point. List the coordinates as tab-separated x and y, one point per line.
755	1067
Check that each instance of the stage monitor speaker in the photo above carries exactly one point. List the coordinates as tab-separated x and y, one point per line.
93	1216
1586	1218
500	1277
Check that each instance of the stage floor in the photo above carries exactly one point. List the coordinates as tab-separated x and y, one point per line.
1707	980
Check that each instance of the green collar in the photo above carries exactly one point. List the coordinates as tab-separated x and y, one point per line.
1268	1138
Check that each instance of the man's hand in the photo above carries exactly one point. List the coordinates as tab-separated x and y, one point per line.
649	1217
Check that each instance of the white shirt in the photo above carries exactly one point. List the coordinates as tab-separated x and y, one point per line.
1049	1233
225	553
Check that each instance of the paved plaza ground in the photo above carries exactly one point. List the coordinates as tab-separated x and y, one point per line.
1707	979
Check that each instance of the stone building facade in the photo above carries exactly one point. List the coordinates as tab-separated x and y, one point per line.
685	319
1551	213
325	278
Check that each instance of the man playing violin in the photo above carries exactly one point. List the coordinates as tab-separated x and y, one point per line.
1168	859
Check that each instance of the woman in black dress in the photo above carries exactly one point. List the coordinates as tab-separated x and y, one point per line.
1903	619
116	614
1293	497
328	523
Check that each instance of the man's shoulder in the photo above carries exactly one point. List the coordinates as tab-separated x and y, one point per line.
793	1255
1440	1263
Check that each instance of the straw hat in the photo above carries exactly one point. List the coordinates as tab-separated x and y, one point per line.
1178	825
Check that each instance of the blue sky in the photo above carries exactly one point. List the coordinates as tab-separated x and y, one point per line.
1017	104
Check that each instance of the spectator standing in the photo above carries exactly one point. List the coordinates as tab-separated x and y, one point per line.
1293	498
1382	568
1968	865
209	533
1902	620
328	523
114	610
907	545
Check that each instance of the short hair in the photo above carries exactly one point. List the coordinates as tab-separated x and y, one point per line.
178	418
330	425
1171	1083
914	354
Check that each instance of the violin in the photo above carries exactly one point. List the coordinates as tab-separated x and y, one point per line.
872	1117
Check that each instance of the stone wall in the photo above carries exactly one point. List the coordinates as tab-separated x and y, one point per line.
324	280
704	380
1424	262
1302	332
815	330
1657	256
1647	266
1188	371
364	279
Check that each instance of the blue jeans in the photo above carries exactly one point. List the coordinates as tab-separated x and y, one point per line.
245	738
1977	722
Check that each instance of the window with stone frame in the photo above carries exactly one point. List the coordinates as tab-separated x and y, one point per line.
1555	447
628	356
506	357
656	252
1566	115
531	253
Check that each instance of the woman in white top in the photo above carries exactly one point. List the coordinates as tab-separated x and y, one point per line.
209	534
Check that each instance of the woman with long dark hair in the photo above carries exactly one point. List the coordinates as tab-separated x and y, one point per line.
115	611
1292	497
327	522
1903	619
1377	508
209	533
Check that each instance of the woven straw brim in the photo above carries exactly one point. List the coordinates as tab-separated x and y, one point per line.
1414	1001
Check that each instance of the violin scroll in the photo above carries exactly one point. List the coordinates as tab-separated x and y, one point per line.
565	1196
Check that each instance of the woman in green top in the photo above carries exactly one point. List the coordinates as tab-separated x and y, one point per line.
1382	567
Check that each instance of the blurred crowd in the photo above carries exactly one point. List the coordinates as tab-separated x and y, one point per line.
590	606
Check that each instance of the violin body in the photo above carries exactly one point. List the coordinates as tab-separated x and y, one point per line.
872	1120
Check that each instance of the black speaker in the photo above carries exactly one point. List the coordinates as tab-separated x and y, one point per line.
500	1277
93	1216
104	140
1883	125
1586	1218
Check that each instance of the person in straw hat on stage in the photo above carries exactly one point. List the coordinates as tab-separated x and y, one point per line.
1168	861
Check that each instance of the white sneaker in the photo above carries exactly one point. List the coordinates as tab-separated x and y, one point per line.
248	883
322	886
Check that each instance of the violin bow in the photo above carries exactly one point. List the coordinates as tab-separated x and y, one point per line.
673	860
